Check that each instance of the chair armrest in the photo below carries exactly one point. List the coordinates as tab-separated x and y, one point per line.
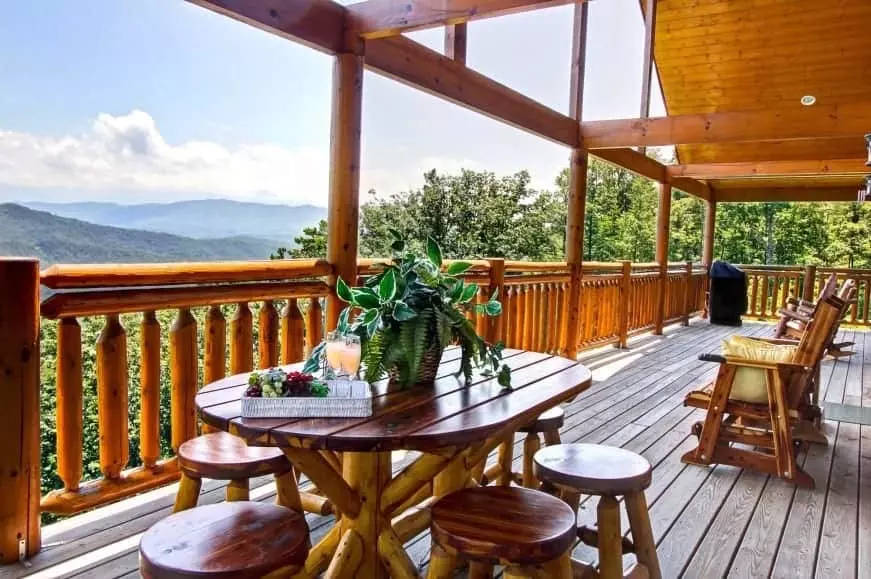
778	341
765	365
794	315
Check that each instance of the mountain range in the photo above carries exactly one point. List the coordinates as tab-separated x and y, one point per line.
207	218
54	239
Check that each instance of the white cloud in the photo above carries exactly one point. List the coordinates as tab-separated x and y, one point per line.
125	158
128	154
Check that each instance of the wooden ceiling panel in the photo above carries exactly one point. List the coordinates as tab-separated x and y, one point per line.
734	55
841	148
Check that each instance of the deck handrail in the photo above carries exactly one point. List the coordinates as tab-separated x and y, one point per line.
166	329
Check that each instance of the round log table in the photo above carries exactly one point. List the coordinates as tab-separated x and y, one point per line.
454	426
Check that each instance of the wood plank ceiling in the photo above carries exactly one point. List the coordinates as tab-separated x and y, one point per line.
744	55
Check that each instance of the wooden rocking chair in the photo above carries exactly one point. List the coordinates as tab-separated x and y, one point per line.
793	319
768	427
796	316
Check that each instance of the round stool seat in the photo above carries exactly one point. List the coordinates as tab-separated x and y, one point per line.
515	524
224	540
222	456
552	419
593	468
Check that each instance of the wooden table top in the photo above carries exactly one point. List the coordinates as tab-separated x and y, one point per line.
421	418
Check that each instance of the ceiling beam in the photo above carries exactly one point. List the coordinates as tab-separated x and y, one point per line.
380	18
411	63
793	123
770	168
319	24
772	194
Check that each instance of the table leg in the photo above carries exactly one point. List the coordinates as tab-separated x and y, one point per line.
367	473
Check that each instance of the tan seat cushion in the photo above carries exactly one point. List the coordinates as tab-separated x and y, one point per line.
749	384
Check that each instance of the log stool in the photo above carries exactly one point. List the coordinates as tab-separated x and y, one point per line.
607	472
528	531
547	424
225	541
222	456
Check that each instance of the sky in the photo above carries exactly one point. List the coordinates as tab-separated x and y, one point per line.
160	100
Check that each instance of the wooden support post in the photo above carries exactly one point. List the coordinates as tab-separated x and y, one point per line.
455	42
647	58
19	413
575	246
577	184
149	388
625	302
496	326
810	277
710	228
687	295
663	214
708	247
344	200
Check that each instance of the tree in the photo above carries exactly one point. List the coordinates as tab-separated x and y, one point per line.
312	242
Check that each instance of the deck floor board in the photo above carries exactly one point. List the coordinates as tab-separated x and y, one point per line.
708	522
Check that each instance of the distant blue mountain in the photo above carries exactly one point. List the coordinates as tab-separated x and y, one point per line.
207	218
53	239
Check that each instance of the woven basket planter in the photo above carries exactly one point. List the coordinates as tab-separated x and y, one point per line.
429	368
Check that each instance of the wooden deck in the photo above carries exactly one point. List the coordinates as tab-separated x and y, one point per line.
708	522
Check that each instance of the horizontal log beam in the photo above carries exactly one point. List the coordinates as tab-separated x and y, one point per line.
786	194
795	123
380	18
411	63
319	24
770	168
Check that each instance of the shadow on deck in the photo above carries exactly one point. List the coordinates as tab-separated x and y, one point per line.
708	522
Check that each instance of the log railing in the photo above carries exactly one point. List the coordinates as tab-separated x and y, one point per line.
769	287
193	312
140	340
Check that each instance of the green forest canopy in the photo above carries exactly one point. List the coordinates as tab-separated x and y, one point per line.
476	214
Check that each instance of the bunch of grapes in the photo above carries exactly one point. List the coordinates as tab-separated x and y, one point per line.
254	389
298	384
268	384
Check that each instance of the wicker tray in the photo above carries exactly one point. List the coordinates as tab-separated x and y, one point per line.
346	400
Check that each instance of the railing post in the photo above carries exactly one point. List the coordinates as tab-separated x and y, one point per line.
19	412
687	295
663	215
625	302
496	326
810	276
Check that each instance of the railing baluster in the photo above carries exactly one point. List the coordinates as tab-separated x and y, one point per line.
241	340
69	403
112	397
183	377
149	384
314	323
267	335
520	318
292	333
215	355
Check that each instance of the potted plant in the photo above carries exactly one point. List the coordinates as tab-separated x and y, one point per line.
409	312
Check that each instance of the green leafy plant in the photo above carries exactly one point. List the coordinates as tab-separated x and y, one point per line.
410	311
